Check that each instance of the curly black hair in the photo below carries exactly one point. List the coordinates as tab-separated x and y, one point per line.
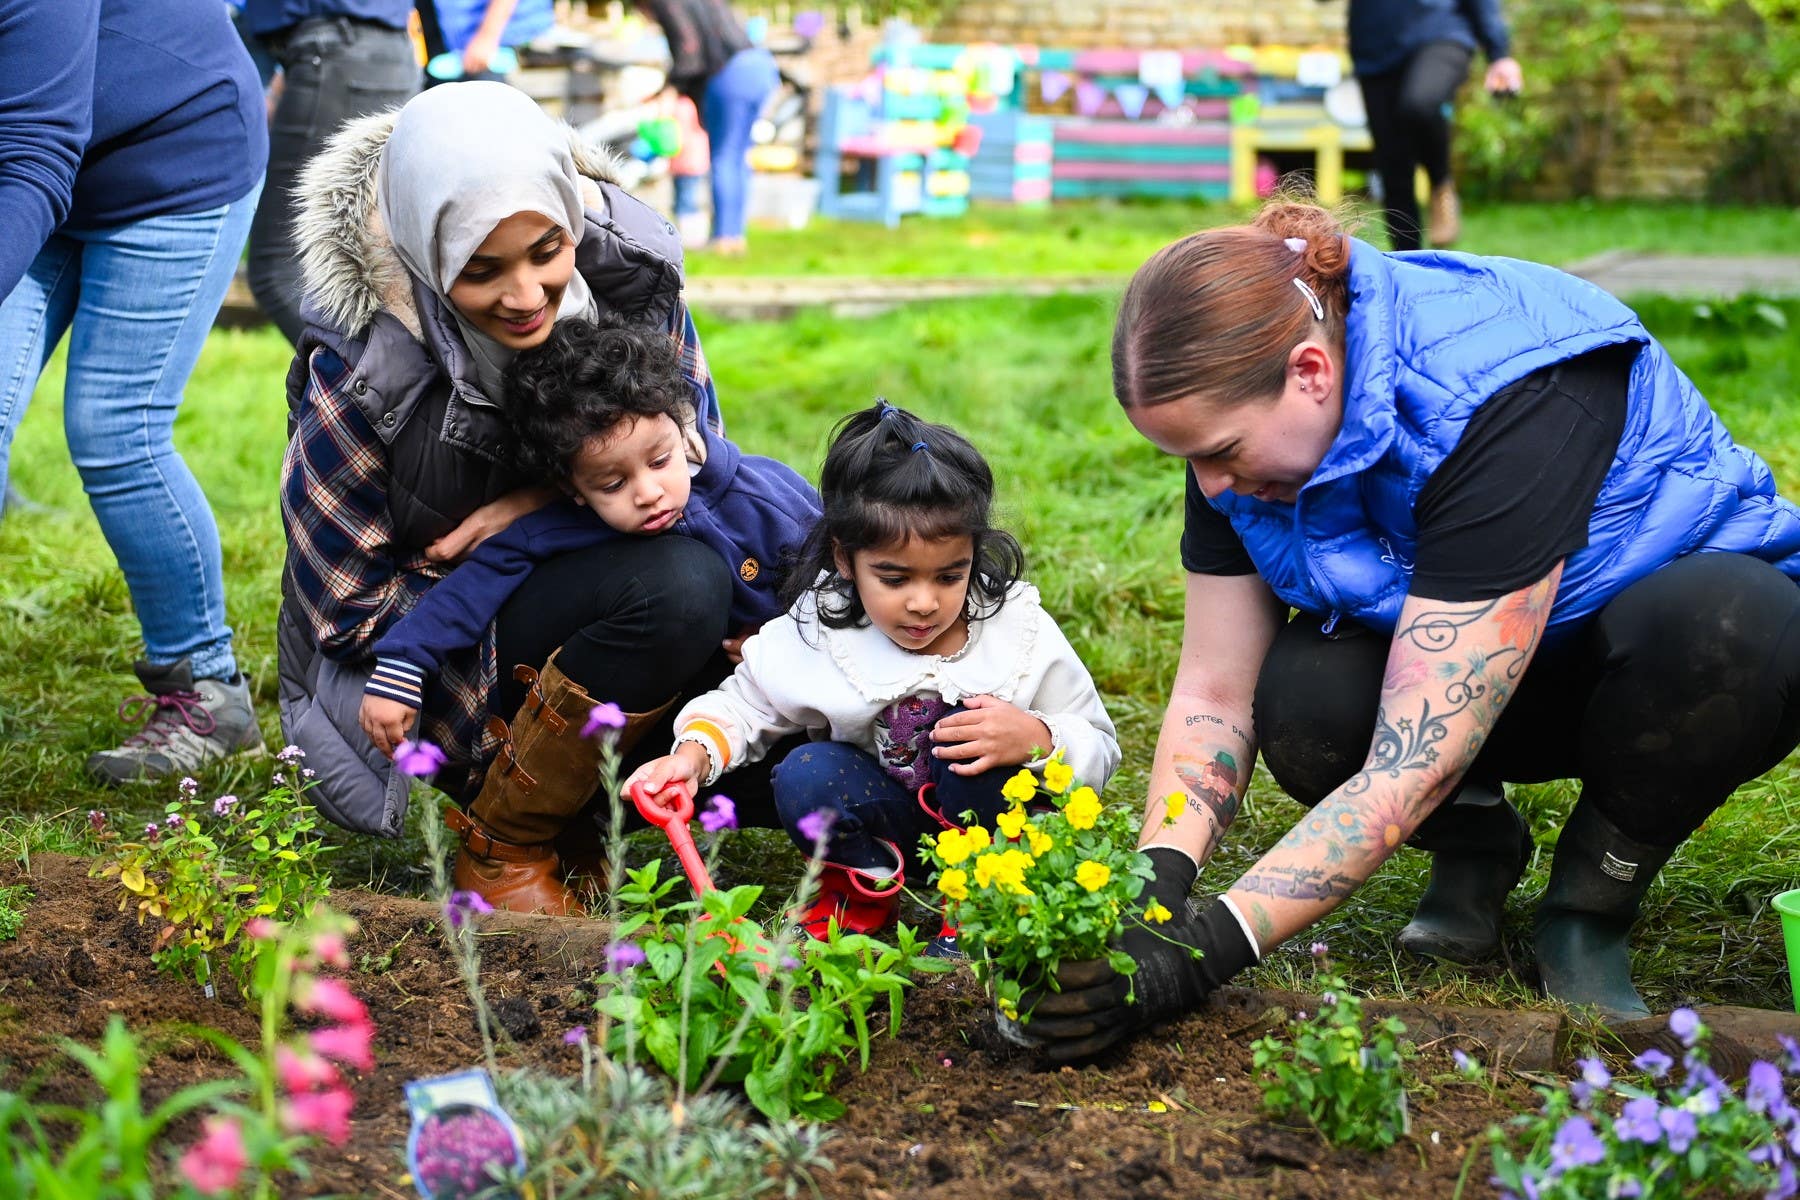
582	382
888	477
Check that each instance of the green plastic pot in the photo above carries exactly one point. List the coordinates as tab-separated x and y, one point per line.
1788	905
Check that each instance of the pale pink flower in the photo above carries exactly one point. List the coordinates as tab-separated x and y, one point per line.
348	1044
323	1114
262	929
330	999
301	1073
216	1162
329	947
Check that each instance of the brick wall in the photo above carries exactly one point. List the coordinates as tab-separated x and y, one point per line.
1096	23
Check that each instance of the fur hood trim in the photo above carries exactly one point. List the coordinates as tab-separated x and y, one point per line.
349	269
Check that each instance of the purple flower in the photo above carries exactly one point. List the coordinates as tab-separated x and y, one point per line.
1575	1146
223	805
1791	1051
1319	950
188	787
1637	1122
622	956
174	821
575	1036
463	905
605	719
1681	1127
720	813
816	825
1684	1023
1627	1188
789	963
152	832
420	760
1787	1186
1704	1102
96	820
1653	1062
1464	1063
1594	1072
308	773
290	754
1763	1091
1329	998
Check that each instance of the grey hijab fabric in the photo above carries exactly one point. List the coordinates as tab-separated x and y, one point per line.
462	158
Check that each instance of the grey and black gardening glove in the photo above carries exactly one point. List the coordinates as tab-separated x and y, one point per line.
1179	963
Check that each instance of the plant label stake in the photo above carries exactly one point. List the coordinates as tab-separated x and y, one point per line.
462	1142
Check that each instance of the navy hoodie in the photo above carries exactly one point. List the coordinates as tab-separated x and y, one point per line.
113	111
1384	33
751	510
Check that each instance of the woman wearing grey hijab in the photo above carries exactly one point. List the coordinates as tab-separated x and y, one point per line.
437	243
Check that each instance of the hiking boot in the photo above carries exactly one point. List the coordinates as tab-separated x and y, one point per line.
1446	216
1598	880
188	723
1480	846
858	900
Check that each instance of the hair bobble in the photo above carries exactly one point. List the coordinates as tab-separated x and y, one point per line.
885	410
1296	244
918	446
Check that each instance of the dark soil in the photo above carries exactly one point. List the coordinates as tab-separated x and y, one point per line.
946	1110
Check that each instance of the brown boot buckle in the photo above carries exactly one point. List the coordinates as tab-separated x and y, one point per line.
482	844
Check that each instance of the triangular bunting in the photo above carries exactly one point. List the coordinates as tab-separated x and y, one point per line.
1131	98
1054	84
1089	96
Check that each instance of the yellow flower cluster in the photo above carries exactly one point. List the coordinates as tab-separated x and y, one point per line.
1005	871
955	845
1058	775
1093	875
1021	787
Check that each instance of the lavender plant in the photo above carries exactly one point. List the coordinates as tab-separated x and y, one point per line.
1658	1133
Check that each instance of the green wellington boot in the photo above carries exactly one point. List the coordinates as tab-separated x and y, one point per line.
1480	845
1597	881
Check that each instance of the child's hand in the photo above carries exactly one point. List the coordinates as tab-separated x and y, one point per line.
683	766
991	733
387	722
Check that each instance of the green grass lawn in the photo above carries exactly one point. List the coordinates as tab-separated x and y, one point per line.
1113	238
1097	510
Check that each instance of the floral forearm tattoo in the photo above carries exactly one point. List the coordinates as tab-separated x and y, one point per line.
1451	670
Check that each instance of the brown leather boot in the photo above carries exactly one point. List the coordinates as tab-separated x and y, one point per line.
544	775
1446	216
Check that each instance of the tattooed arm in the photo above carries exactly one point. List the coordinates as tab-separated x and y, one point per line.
1208	744
1450	672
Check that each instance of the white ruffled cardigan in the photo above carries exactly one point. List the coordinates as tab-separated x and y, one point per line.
800	677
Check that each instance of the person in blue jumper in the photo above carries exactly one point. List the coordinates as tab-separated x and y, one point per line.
1410	57
339	59
1518	546
131	154
473	32
601	412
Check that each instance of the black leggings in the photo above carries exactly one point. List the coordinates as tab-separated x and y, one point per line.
1684	686
638	622
1410	127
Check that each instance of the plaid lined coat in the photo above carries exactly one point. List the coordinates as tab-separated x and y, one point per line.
392	444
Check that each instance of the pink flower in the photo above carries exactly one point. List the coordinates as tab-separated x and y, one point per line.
262	929
330	950
720	813
96	820
622	956
329	998
815	825
323	1114
223	805
418	759
575	1036
188	787
302	1073
463	905
348	1044
291	754
215	1162
152	833
604	719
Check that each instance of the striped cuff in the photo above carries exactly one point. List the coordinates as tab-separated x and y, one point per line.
710	738
396	679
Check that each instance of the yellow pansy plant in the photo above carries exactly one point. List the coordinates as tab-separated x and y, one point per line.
1021	787
1083	808
1092	875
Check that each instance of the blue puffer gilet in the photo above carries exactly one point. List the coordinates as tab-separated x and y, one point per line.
1431	336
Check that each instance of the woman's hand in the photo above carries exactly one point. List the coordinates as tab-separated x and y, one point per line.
684	766
387	722
486	521
734	646
1504	77
990	733
480	52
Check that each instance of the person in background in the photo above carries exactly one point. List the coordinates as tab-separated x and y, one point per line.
688	168
1410	56
714	64
339	59
131	154
475	32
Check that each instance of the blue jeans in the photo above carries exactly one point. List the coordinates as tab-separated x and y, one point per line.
137	301
733	99
869	806
687	193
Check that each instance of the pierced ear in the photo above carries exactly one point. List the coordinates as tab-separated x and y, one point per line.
1314	369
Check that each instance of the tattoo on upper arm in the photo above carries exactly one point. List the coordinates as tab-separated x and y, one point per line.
1213	782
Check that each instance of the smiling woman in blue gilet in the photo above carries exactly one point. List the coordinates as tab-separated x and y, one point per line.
1518	546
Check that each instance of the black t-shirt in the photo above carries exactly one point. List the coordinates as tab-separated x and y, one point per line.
1507	504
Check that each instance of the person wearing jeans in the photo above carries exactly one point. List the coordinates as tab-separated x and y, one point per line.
132	172
339	59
